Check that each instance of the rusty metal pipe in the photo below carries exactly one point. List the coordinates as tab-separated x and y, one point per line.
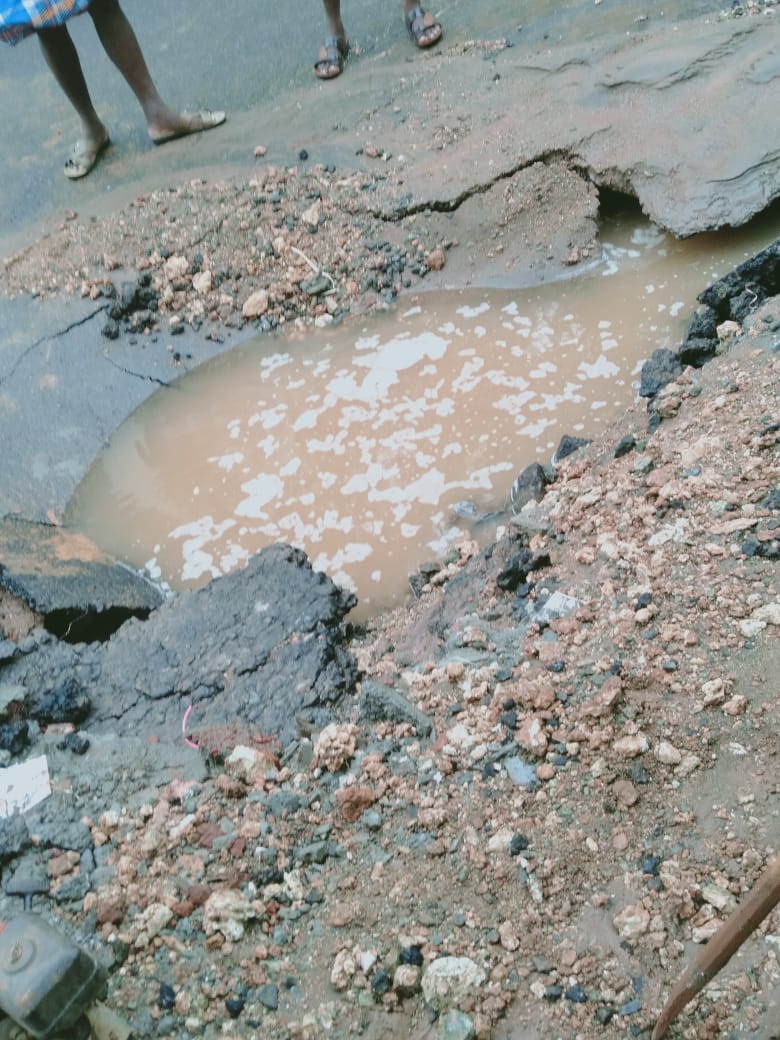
761	900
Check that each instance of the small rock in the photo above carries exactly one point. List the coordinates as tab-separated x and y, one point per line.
406	979
456	1025
567	446
379	701
704	932
624	446
311	216
354	800
268	995
667	753
335	746
151	922
234	1006
508	936
246	765
518	844
531	735
256	304
576	994
521	773
380	982
528	486
631	1007
662	367
632	922
411	955
343	970
77	743
201	282
688	764
736	705
625	792
227	911
714	692
630	746
728	330
167	998
175	267
449	981
717	896
341	915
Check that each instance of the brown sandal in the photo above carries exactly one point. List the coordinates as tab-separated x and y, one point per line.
333	53
419	23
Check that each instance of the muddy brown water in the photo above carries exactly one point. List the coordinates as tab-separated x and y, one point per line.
379	444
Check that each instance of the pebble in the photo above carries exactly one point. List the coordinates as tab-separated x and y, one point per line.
631	1007
406	979
518	844
667	753
449	981
632	922
234	1006
411	955
268	995
576	994
523	774
456	1025
381	982
167	998
632	745
650	865
625	792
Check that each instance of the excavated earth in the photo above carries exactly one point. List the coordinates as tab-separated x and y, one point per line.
515	807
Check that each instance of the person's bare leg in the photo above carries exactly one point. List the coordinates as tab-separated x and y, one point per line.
333	51
121	45
63	60
333	24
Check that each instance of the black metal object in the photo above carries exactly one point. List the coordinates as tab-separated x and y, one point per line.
47	981
26	886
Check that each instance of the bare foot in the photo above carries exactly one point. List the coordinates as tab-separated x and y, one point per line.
183	124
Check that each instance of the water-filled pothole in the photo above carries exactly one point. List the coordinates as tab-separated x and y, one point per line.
376	445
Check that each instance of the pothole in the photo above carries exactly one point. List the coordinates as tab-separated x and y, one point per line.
379	444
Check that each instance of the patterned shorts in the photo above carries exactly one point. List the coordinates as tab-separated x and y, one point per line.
20	18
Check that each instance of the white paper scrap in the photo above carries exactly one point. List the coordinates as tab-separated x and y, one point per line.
24	785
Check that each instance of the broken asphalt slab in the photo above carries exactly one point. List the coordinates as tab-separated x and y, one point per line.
658	114
257	652
73	588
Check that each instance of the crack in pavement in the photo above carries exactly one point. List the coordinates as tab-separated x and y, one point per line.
47	339
576	164
138	375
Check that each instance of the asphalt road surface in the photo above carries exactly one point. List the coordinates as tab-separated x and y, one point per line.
244	56
239	55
